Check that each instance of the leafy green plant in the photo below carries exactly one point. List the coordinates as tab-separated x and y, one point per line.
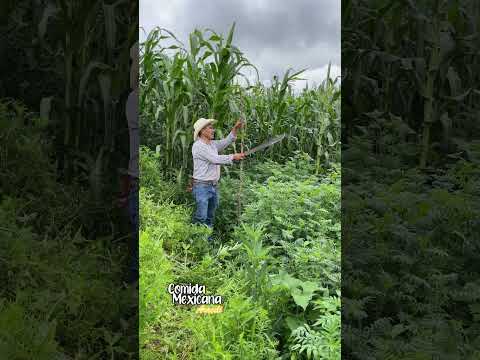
238	333
321	340
301	291
26	336
255	260
55	263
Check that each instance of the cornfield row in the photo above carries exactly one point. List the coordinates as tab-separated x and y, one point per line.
181	84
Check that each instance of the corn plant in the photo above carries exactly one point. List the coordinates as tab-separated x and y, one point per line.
256	259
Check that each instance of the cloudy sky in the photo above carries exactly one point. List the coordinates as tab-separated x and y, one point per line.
274	35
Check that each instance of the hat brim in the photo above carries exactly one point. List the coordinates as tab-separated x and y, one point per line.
195	134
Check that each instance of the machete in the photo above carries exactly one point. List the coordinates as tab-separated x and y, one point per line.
266	144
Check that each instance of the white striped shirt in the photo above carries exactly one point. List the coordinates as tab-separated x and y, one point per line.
206	161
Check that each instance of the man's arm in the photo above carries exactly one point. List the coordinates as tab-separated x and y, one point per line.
222	144
203	153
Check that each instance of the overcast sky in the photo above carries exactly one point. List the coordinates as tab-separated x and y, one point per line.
273	34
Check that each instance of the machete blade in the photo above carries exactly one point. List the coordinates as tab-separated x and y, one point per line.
266	144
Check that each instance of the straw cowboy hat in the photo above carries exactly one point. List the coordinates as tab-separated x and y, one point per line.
199	125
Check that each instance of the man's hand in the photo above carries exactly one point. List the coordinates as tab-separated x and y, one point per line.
239	156
239	124
190	185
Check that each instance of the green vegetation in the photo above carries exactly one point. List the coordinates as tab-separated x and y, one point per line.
63	137
276	252
279	271
64	62
201	81
61	294
410	274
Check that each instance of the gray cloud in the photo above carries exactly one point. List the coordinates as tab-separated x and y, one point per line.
273	34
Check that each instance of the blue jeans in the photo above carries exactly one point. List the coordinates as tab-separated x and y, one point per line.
206	197
133	209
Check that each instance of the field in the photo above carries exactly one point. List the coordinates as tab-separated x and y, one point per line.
410	172
62	257
275	256
63	140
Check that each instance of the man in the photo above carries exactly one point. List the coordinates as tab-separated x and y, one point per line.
129	196
206	167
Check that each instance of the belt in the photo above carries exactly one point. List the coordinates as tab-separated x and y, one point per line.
205	182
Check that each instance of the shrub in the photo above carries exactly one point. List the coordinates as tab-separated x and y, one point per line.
26	337
238	333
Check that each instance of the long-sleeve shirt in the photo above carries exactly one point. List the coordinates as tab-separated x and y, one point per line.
131	108
206	161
